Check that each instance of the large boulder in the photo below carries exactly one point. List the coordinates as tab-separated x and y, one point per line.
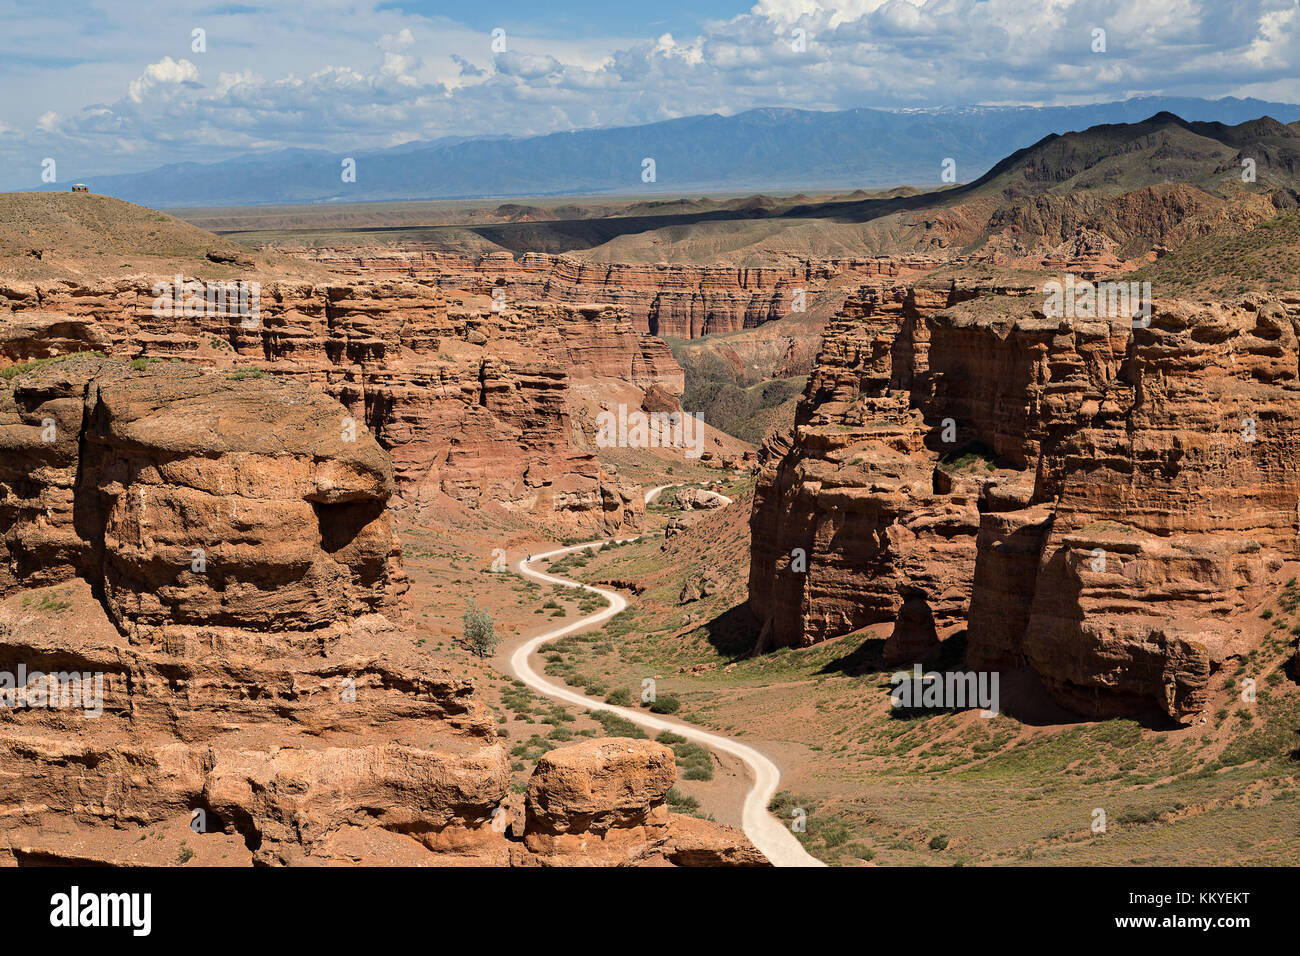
604	802
598	785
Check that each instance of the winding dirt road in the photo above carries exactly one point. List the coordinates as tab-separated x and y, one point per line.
764	830
653	493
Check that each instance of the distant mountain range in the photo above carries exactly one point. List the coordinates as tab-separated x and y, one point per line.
1116	188
763	149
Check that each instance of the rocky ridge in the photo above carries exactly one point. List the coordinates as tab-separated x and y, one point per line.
469	402
1101	503
677	301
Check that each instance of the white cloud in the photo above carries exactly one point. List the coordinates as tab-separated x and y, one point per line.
348	74
403	40
166	72
1276	41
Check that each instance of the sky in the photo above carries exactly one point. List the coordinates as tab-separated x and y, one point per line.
107	86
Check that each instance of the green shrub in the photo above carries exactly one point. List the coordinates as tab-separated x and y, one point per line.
616	726
13	371
834	834
480	632
694	760
680	803
665	704
619	697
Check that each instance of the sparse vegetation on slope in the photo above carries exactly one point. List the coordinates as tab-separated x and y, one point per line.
1263	259
83	235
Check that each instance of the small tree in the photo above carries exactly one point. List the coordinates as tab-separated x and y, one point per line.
480	632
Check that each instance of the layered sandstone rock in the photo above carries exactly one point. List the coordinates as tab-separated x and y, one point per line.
1175	510
849	520
209	556
470	402
365	753
1101	502
605	801
672	300
193	499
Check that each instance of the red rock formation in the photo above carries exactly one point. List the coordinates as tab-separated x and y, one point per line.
469	402
1111	521
604	801
1175	496
213	553
671	300
847	520
164	489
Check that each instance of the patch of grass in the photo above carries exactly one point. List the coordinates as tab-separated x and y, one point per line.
694	760
1265	258
972	457
13	371
51	603
532	748
678	802
616	726
833	833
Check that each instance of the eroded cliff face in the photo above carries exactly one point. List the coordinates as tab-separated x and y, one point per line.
671	300
851	498
210	556
1102	503
469	402
163	488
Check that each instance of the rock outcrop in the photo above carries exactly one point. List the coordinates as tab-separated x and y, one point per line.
469	402
195	502
1099	501
846	515
202	608
605	801
673	300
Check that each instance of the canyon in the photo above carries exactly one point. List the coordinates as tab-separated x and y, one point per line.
204	506
670	300
471	403
198	506
220	552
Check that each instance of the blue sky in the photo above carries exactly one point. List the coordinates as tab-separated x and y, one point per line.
106	86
